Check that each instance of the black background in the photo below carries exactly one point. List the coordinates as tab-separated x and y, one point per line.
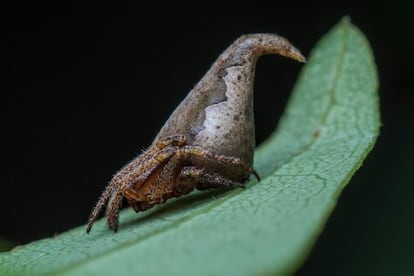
85	87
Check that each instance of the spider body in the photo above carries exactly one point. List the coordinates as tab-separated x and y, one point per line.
207	142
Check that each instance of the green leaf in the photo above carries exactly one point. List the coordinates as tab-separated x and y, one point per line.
329	127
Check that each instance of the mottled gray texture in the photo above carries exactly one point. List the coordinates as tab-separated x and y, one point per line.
217	114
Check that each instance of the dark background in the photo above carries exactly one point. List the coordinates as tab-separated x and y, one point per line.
85	87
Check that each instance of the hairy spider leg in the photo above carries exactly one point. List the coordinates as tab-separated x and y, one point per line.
159	187
134	195
114	185
99	206
203	179
136	179
196	153
133	173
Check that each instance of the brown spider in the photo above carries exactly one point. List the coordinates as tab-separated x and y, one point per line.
170	168
207	142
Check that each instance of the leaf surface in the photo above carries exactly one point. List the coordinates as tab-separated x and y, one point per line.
329	126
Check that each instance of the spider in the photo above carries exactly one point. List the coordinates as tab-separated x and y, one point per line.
207	142
169	168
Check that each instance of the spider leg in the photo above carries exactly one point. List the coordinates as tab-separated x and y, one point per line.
174	140
136	195
99	205
133	181
134	175
157	188
203	158
112	210
205	179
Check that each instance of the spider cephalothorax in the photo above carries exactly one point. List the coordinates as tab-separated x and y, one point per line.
207	142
